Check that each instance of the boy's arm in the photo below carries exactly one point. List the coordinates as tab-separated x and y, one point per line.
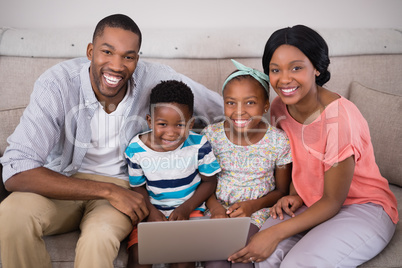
282	182
216	209
154	213
202	193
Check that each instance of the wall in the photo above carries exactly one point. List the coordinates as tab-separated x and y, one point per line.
204	14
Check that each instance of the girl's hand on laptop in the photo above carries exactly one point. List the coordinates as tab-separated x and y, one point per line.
241	209
218	212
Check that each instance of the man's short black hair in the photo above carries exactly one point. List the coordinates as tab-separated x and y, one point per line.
172	91
117	21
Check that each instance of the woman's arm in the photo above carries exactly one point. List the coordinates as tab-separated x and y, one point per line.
288	204
337	182
282	181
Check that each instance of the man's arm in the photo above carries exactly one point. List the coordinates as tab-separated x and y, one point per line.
54	185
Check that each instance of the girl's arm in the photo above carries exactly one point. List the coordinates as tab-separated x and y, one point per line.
202	193
337	182
282	181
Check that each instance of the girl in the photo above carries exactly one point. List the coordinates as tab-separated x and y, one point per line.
340	211
254	156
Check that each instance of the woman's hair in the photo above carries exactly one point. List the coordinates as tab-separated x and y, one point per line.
173	91
117	21
307	41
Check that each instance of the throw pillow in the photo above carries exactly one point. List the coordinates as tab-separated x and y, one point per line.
383	112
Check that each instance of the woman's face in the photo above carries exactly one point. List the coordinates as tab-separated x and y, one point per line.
291	74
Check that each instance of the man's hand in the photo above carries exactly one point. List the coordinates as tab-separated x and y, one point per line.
130	203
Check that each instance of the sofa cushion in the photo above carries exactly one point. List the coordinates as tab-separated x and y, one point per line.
9	120
383	112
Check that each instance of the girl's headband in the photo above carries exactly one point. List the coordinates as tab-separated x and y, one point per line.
244	70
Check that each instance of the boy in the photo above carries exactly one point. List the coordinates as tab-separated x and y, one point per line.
172	167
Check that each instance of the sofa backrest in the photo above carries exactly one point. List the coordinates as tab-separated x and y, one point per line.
356	56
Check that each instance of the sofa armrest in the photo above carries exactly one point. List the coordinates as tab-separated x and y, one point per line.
3	192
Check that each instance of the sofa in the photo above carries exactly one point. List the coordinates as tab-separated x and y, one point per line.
366	67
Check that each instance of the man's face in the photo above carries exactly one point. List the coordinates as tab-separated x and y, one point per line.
114	57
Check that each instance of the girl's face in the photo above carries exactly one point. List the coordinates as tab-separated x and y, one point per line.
291	74
245	103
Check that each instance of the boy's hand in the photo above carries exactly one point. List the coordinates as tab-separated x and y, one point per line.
181	213
156	215
241	209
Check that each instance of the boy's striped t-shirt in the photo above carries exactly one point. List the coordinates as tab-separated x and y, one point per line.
171	177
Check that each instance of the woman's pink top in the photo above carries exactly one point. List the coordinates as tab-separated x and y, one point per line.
339	132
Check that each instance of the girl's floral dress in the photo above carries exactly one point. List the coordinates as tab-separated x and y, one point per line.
247	171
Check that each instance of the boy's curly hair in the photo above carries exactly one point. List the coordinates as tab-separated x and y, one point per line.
172	91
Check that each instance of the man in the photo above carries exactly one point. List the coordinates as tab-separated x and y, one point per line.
65	165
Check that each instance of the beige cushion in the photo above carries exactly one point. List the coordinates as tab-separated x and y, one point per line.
9	120
383	113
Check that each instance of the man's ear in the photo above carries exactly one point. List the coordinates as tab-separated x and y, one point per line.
149	121
90	49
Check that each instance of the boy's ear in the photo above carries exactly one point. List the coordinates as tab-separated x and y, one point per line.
191	123
149	121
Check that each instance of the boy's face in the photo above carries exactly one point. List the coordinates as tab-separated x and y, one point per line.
170	124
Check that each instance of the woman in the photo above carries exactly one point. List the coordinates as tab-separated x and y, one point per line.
340	211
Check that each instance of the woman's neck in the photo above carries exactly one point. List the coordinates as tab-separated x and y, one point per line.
309	108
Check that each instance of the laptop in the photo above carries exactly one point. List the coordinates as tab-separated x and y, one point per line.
195	240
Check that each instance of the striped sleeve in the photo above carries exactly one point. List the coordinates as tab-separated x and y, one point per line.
135	173
207	163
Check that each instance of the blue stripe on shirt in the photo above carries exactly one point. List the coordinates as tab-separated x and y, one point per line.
132	165
173	208
134	148
173	183
210	168
192	140
204	150
174	195
137	180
